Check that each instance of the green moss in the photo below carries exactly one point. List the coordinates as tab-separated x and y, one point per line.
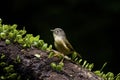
12	76
10	34
53	65
51	54
7	71
18	60
2	56
7	41
57	67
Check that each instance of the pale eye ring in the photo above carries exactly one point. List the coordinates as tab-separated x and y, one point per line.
57	31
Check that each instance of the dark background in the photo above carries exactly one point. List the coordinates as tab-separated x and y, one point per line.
92	26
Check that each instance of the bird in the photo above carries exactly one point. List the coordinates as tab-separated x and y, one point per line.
62	44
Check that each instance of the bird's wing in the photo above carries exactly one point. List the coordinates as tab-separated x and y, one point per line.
68	45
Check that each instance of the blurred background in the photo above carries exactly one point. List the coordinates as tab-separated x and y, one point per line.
91	26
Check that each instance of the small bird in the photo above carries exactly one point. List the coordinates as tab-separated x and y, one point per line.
61	42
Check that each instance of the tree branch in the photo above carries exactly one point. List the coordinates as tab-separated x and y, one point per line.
36	68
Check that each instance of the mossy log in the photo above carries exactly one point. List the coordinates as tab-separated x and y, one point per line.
34	68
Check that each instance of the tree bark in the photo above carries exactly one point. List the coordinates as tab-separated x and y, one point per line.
36	68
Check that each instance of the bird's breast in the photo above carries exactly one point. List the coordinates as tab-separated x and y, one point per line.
60	45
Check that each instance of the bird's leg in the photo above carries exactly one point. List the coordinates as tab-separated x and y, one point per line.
59	54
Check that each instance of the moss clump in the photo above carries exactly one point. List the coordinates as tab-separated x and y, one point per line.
10	34
7	71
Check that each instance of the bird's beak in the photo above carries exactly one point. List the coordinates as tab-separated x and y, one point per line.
52	30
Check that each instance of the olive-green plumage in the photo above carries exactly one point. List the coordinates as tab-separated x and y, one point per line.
61	43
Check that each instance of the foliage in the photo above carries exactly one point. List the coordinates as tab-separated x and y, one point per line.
10	34
7	70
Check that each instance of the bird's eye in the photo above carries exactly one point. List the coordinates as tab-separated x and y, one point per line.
57	31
